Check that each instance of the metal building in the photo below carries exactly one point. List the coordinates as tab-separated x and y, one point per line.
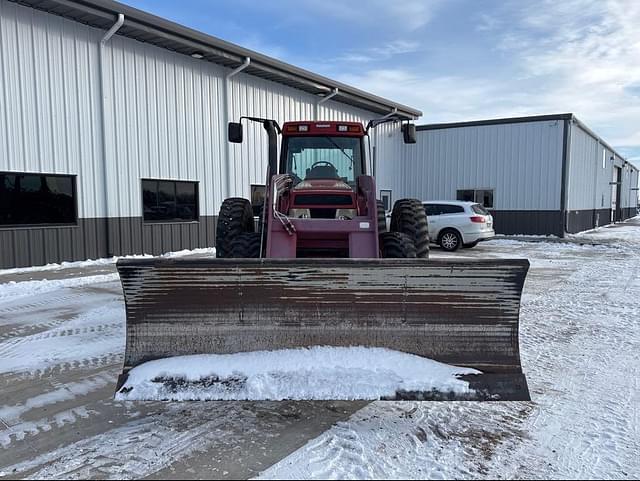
538	175
113	128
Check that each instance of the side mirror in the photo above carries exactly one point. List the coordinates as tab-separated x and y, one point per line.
235	132
409	133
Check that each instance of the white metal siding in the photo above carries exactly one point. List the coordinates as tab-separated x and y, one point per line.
590	172
629	198
50	101
164	114
163	120
521	162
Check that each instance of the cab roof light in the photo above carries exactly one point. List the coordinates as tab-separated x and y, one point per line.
355	128
303	128
292	128
343	128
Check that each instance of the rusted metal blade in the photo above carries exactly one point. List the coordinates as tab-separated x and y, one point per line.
459	312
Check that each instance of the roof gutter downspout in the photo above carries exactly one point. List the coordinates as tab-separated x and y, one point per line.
327	97
228	164
105	154
565	182
114	28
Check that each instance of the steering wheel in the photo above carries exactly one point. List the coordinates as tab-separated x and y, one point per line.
324	163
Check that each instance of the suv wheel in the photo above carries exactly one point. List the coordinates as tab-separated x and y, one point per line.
449	240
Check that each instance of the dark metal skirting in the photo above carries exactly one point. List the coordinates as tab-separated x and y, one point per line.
99	238
527	222
629	212
582	220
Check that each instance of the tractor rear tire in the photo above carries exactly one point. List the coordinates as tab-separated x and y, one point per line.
395	245
409	217
246	246
382	218
235	218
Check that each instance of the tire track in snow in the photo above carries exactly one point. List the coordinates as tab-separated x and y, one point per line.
22	430
95	334
407	440
140	448
64	393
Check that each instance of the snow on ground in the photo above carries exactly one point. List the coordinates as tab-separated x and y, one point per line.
208	251
319	373
61	351
580	344
15	290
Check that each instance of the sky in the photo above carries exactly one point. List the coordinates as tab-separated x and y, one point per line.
455	60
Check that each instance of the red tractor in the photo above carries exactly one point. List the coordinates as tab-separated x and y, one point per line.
322	270
320	200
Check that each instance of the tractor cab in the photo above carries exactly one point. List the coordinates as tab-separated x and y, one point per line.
324	161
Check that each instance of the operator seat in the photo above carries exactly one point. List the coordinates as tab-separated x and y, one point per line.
322	172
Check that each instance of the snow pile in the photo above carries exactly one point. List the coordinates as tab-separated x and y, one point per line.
207	251
320	373
13	290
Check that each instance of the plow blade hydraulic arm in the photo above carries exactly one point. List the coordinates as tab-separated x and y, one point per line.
459	312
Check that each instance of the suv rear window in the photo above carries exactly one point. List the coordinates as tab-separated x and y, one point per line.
431	209
478	209
441	209
451	209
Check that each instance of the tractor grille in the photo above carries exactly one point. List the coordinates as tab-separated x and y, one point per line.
336	199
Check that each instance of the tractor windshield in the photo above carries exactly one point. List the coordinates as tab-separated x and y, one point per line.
324	158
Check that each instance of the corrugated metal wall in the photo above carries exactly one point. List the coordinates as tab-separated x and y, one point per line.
50	110
629	197
633	194
521	162
115	115
590	172
163	119
164	113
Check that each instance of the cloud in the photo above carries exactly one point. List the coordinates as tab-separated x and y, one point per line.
577	56
381	53
488	23
410	14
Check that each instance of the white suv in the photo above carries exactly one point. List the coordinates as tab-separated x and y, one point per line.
454	223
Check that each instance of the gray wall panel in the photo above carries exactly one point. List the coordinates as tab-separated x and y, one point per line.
582	220
163	115
591	173
23	247
49	100
520	162
528	222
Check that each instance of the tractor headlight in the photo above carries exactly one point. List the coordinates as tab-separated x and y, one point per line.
300	213
346	214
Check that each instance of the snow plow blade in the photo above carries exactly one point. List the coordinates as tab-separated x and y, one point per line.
459	312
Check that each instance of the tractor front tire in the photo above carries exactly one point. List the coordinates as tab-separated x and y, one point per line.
382	218
395	245
246	246
409	217
235	218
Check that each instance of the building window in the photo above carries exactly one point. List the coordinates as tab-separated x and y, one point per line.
480	196
37	199
169	201
385	197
